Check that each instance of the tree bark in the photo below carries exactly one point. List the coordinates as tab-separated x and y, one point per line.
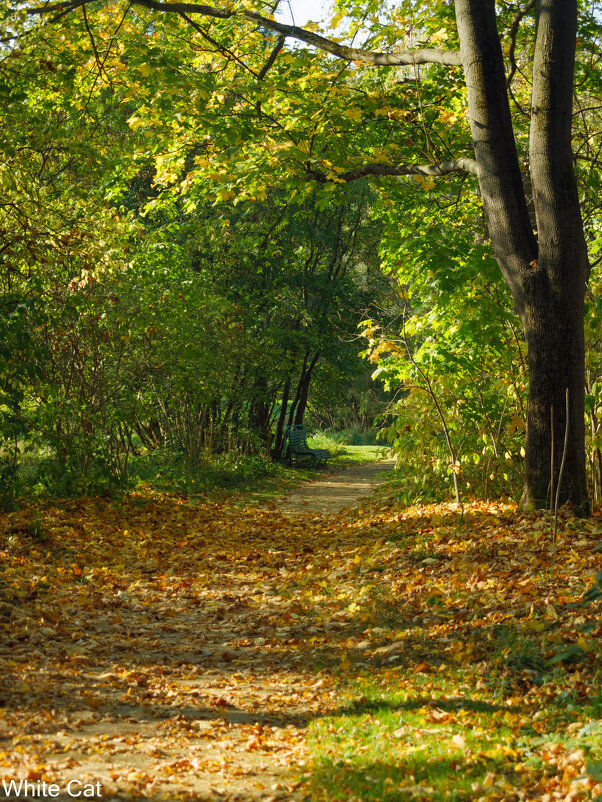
279	438
546	274
554	290
304	390
553	322
291	413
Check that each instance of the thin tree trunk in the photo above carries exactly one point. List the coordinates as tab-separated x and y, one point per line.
291	414
281	418
304	390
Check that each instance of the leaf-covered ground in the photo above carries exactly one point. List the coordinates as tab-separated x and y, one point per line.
170	650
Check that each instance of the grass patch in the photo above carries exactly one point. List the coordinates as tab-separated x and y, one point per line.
424	741
439	738
461	681
356	455
346	453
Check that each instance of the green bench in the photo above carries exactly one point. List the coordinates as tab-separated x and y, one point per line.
296	448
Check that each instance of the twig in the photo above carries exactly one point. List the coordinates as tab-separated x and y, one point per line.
551	470
518	17
438	408
99	64
564	450
220	48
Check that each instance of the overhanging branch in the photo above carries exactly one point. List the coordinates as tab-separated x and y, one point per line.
449	58
463	165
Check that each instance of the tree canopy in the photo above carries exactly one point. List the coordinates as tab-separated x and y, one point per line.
212	137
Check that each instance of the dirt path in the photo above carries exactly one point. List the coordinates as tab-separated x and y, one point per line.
162	651
335	490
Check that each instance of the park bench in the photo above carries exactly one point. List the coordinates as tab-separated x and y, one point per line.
296	448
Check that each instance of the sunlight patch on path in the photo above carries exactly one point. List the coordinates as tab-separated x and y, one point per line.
332	492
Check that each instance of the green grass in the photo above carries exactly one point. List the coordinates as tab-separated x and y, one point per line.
430	741
355	455
344	453
445	735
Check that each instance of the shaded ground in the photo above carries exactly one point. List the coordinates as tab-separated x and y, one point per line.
174	651
159	655
333	490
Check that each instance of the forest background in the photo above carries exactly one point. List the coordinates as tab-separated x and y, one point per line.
175	291
192	257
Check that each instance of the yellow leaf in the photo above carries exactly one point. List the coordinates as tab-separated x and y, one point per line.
135	123
424	182
490	779
439	36
145	70
448	116
459	740
354	113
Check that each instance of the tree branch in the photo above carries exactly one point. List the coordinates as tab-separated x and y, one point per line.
272	58
512	33
449	58
380	168
221	48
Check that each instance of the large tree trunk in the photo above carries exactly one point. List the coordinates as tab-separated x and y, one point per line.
553	321
547	274
554	291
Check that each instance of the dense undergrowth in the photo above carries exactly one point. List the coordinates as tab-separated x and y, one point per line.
41	476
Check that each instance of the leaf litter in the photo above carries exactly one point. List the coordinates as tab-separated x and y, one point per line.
175	650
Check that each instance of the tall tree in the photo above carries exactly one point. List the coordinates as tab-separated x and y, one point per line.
546	269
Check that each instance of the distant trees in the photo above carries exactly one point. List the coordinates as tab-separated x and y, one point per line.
131	322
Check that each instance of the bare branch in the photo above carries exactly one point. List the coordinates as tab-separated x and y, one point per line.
221	48
267	66
512	33
463	165
272	58
99	64
449	58
62	8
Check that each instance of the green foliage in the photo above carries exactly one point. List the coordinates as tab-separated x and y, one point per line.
453	355
172	280
171	325
353	437
9	482
170	471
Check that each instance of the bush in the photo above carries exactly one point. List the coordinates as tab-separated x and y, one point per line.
9	482
69	478
170	470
